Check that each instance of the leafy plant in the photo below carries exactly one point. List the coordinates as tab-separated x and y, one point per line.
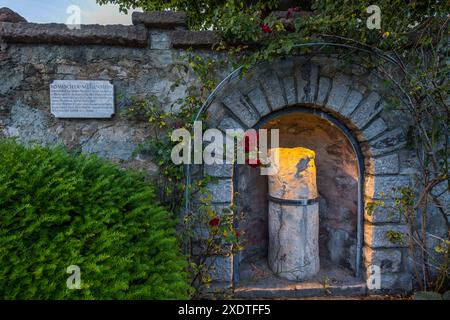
59	210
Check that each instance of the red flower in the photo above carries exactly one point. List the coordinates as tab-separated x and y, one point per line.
265	28
214	222
238	233
251	139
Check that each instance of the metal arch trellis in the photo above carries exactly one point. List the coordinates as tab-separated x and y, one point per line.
236	72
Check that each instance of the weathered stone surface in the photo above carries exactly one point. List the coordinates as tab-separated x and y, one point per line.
257	98
386	165
374	129
29	125
397	282
160	40
194	39
353	100
220	268
323	91
389	260
7	15
293	241
307	75
221	191
272	86
339	90
289	88
295	174
367	110
229	123
114	35
110	142
377	236
161	19
293	229
382	213
219	170
238	105
382	187
388	142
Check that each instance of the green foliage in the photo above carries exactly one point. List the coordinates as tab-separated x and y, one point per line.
59	210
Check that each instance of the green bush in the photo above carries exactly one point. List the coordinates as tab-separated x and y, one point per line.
58	210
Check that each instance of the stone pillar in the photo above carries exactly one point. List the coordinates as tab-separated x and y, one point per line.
293	214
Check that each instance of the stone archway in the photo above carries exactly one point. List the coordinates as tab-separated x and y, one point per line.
352	96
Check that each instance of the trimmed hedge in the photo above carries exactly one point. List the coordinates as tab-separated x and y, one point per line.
58	210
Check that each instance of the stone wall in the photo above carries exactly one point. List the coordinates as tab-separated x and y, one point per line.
139	60
148	58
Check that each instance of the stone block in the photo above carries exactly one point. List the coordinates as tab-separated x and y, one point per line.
218	170
377	127
376	236
161	19
221	190
389	260
388	142
257	98
385	187
272	87
323	90
339	90
367	110
241	108
353	100
184	39
386	165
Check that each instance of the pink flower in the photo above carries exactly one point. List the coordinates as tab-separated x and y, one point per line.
265	28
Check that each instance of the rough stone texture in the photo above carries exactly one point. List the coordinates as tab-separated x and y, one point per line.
7	15
216	170
307	75
374	129
160	19
383	212
29	125
353	100
257	98
396	282
367	110
220	268
376	236
115	35
385	187
339	90
324	90
385	165
194	39
221	191
293	241
273	90
241	108
293	230
389	260
160	40
295	174
388	142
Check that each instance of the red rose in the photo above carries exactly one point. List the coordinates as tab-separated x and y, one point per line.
238	233
265	28
214	222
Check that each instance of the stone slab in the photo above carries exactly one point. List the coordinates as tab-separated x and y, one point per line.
81	99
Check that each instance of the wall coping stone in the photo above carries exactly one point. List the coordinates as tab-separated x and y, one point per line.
161	19
58	33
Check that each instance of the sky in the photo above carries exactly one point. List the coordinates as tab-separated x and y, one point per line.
46	11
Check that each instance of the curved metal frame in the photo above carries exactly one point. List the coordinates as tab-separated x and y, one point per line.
236	72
